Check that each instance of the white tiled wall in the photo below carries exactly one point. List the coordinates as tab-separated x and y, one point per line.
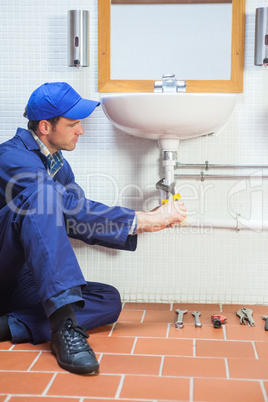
200	265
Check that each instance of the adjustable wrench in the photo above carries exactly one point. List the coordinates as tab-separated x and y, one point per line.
179	323
197	322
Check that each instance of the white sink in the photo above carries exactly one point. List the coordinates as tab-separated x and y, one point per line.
168	117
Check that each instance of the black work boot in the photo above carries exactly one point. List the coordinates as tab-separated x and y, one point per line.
69	345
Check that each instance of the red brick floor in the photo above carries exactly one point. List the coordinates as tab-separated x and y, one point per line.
144	358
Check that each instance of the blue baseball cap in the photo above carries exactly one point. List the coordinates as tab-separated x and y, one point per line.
58	99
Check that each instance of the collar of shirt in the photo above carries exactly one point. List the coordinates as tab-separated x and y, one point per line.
55	161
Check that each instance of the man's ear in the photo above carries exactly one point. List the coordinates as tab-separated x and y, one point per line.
44	127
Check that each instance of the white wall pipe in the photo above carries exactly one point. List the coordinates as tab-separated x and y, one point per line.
236	224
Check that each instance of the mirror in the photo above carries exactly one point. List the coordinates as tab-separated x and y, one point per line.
231	80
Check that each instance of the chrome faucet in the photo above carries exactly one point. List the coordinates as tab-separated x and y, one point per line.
169	84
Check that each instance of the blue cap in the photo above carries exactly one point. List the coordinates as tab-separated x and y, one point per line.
58	99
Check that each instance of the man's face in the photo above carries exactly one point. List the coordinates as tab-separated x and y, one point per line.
64	136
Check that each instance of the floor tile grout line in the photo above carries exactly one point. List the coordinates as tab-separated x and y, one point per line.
143	316
167	332
133	347
35	360
191	389
224	333
49	385
227	368
110	333
161	366
263	390
255	350
120	386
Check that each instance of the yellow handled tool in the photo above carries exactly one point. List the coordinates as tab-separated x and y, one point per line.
175	197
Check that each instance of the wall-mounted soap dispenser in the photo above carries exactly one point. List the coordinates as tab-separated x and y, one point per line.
78	38
261	37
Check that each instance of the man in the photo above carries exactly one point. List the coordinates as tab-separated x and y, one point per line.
43	294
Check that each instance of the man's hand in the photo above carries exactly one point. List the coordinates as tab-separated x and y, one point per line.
161	217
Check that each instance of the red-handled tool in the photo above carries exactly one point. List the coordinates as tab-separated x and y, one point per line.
218	320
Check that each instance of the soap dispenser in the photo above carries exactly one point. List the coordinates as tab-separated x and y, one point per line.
261	37
78	38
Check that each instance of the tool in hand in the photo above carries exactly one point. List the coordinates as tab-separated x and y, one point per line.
179	323
218	320
169	189
197	322
265	317
245	314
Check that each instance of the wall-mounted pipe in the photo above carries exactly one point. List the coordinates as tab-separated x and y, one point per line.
236	224
208	166
202	176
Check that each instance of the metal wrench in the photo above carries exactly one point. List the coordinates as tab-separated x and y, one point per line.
179	323
169	189
197	322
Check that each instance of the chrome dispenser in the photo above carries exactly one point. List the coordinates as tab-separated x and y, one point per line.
78	38
261	37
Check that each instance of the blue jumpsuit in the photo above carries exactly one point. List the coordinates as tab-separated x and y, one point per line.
38	267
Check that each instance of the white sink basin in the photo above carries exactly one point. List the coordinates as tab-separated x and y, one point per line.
168	117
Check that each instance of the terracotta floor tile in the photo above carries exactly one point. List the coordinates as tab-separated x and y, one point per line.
159	346
111	400
191	332
10	360
24	383
248	368
246	333
194	367
101	331
227	391
124	364
145	329
262	349
85	386
42	399
30	347
131	315
5	345
47	362
160	316
211	348
211	308
147	306
111	345
146	387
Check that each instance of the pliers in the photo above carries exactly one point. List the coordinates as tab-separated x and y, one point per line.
245	314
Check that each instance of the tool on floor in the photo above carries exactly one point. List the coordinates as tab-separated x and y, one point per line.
179	323
265	317
218	320
245	314
197	322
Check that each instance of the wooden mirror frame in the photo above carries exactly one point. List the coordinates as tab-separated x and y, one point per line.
235	84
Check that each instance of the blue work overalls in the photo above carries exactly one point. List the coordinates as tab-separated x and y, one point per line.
38	267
